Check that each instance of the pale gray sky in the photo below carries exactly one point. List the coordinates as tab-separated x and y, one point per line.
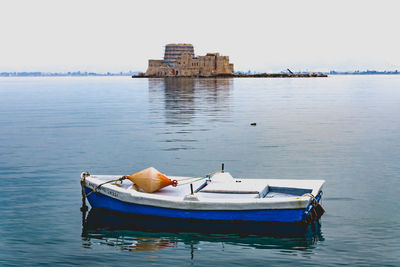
115	36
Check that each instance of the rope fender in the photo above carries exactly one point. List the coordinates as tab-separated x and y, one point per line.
314	210
84	207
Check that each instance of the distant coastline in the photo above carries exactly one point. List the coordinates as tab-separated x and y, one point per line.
64	74
366	72
239	74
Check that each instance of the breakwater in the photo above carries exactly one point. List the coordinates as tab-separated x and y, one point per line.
259	75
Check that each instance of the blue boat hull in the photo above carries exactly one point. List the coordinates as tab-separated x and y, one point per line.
100	201
101	221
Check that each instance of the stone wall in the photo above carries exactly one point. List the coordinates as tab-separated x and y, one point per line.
158	68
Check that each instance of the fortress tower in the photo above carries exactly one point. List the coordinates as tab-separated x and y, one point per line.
174	51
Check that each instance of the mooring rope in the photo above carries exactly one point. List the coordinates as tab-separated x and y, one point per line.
94	190
195	179
309	195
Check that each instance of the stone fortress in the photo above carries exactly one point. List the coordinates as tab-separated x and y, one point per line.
180	61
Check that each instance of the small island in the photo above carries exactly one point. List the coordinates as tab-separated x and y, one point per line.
180	61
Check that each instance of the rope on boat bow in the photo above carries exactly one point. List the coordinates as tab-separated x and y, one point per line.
94	190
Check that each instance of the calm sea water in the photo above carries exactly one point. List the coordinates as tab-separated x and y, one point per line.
344	129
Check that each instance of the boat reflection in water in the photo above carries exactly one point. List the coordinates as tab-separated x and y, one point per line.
146	234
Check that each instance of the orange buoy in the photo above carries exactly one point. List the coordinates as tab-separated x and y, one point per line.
151	180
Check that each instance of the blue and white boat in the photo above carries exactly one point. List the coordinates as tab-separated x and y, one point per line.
214	198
